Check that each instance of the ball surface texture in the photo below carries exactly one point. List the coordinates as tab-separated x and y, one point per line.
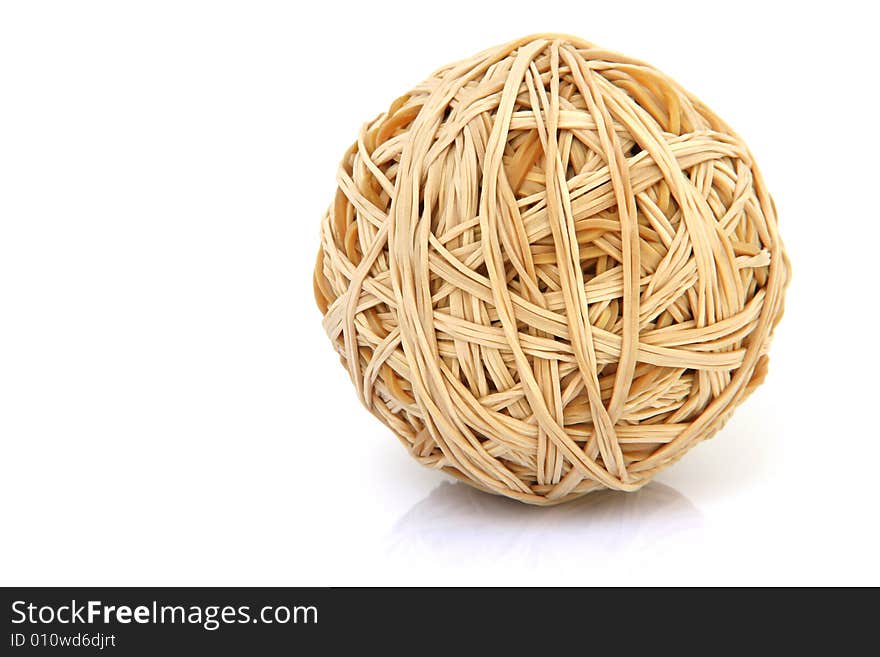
549	269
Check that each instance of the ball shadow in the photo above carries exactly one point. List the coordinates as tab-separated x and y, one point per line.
457	523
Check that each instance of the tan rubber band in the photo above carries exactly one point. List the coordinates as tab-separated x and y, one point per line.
549	269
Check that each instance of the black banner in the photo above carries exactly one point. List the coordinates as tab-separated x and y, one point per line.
264	621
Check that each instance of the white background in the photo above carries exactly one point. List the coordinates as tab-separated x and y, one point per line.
170	409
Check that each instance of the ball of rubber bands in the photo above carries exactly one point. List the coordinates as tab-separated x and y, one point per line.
549	269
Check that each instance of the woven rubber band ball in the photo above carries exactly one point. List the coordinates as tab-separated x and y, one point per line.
549	269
